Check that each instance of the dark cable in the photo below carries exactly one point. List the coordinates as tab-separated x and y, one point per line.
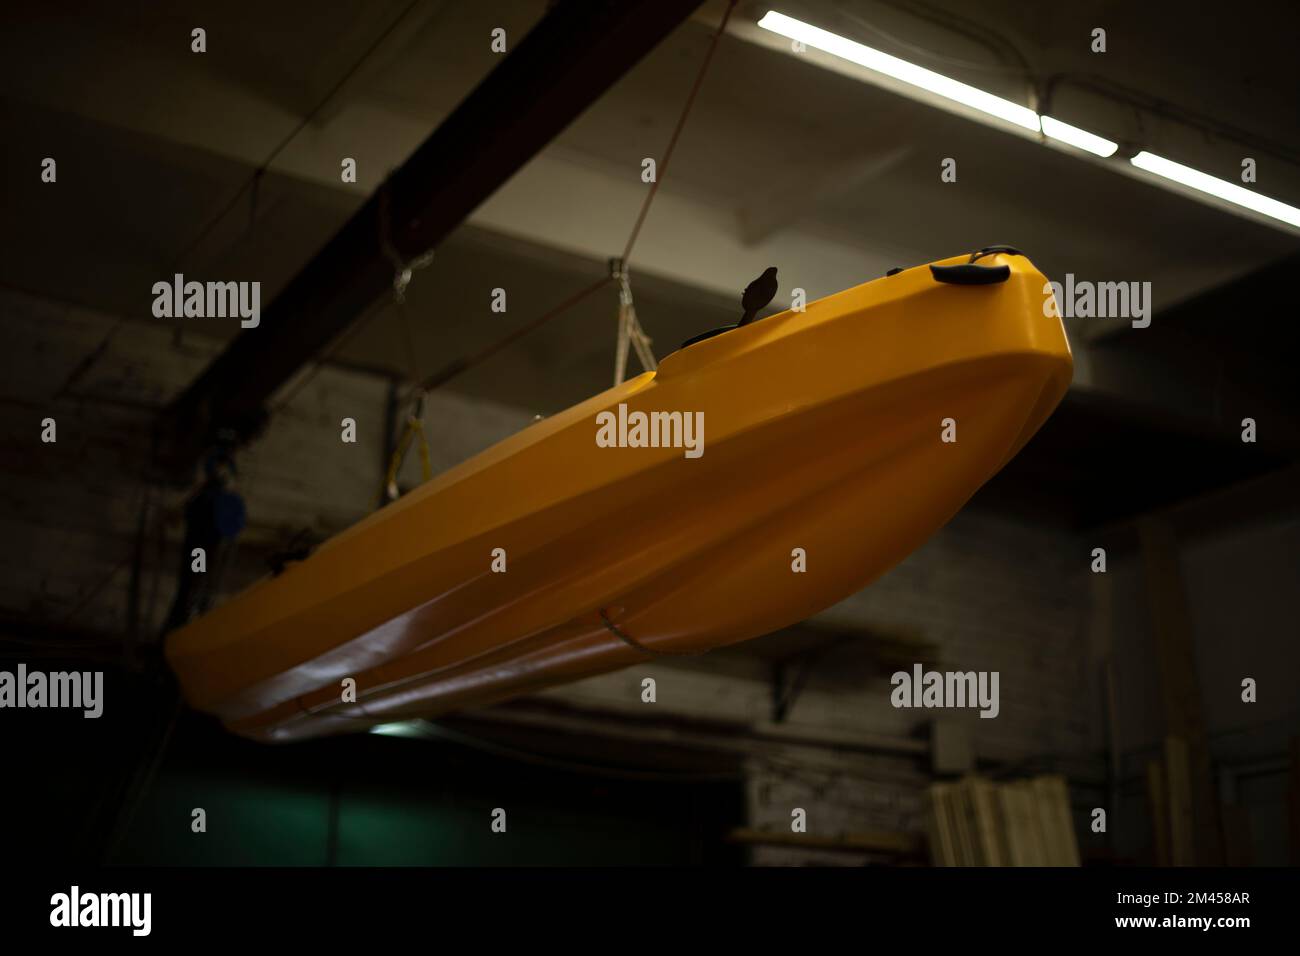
93	356
454	368
465	362
672	142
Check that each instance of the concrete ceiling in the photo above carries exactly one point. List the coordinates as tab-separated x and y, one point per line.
783	162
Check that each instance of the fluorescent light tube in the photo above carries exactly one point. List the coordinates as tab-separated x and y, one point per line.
403	728
1220	188
909	73
1081	138
1021	116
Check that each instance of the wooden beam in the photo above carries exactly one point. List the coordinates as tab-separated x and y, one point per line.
1180	691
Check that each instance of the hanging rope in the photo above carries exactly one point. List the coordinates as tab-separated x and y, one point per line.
677	132
466	362
402	270
454	368
629	329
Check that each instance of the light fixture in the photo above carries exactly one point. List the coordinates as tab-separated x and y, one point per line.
1219	188
936	84
404	728
892	66
1081	138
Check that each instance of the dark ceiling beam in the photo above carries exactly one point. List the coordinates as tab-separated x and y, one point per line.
565	63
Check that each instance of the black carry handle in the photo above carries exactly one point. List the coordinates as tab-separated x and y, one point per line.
970	274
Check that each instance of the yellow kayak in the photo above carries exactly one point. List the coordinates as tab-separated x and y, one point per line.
759	476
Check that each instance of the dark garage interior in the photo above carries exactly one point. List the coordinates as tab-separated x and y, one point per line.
1130	574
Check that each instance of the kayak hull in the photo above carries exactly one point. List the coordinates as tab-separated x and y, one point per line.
823	436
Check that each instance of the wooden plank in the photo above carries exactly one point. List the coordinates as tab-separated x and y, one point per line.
1034	819
1158	806
1017	850
1052	810
942	852
1180	693
1043	819
1182	848
1024	833
961	815
989	822
1068	840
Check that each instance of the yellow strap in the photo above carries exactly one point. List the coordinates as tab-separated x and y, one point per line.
414	429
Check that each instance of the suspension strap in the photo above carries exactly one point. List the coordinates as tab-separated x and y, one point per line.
630	331
402	271
414	429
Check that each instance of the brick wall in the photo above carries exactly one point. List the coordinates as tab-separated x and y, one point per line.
69	510
986	593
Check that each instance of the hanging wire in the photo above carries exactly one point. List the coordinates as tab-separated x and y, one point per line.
323	360
251	182
402	273
402	270
630	331
402	277
677	132
466	362
454	368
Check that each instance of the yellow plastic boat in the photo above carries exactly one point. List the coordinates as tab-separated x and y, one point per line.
823	431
